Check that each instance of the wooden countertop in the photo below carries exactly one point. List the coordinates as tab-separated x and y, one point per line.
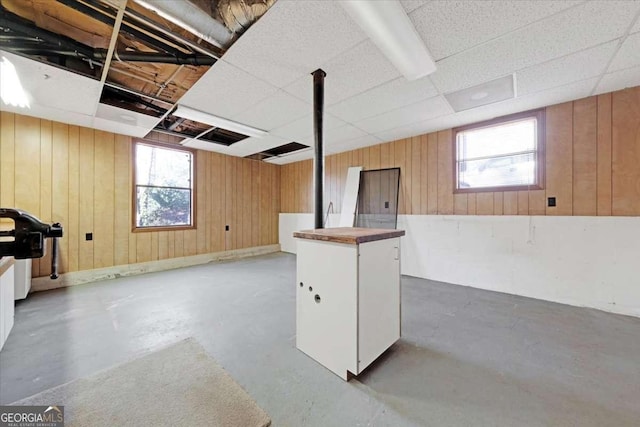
348	235
5	263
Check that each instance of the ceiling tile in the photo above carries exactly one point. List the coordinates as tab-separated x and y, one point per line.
118	120
629	54
411	5
619	80
427	109
225	90
567	32
337	136
486	93
383	98
48	113
568	92
55	88
205	145
274	111
302	128
119	128
353	144
541	99
352	72
449	27
255	145
401	132
572	68
291	41
290	158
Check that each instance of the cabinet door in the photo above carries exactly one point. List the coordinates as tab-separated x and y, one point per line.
6	304
326	305
378	299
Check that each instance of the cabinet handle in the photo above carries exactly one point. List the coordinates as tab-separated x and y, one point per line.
397	253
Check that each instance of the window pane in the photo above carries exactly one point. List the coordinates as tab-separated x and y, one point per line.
162	166
514	137
498	171
158	207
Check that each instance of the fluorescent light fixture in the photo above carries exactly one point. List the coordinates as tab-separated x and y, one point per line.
388	26
219	122
11	90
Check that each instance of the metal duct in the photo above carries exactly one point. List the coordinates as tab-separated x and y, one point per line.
238	15
191	18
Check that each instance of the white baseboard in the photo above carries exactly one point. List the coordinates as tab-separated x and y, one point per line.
98	274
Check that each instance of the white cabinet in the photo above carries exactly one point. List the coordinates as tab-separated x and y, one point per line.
6	298
348	296
23	278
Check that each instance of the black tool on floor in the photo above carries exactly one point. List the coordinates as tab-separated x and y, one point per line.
29	237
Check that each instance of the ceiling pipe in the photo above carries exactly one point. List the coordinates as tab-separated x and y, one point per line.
125	56
50	43
159	28
183	59
190	17
14	23
106	16
156	33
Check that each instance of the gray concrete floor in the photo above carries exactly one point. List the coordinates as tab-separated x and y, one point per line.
467	357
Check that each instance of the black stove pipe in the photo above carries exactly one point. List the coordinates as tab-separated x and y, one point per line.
318	147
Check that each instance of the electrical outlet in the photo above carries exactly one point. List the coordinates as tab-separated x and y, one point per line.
551	201
88	236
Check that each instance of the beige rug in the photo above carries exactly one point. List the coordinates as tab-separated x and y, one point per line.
177	386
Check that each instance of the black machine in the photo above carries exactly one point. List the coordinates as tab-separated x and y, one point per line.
29	238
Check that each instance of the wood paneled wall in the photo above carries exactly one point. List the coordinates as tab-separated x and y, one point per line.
81	178
592	167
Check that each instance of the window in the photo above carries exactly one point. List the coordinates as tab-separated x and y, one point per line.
163	190
501	154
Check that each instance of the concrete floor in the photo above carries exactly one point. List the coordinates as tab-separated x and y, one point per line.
467	357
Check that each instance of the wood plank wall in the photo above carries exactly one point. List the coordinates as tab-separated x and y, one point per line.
81	178
592	167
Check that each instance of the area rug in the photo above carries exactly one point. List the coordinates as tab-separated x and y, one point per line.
176	386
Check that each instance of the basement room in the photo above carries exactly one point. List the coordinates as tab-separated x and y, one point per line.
321	213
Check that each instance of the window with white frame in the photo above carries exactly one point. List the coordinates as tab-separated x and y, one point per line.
163	187
501	154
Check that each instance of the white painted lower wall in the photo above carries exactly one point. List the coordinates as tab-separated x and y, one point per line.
582	261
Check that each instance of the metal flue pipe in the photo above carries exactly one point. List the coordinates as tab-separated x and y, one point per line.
318	146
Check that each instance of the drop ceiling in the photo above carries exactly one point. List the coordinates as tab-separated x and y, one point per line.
556	51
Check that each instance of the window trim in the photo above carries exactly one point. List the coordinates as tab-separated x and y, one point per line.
539	115
134	187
